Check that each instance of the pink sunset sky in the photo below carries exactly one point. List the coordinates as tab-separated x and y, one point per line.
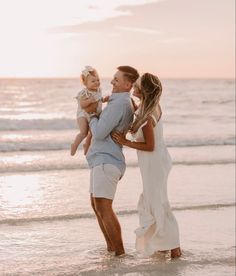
172	38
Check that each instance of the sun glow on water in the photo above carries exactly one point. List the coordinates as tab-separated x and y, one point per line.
19	193
20	159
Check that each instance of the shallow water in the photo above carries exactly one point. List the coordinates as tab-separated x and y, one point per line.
47	226
77	247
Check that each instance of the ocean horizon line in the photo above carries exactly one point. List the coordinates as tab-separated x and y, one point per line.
109	77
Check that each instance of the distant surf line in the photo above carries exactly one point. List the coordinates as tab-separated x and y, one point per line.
24	146
18	168
17	221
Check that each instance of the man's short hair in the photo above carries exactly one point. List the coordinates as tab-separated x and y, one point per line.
129	72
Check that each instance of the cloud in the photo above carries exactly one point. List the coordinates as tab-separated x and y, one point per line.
138	30
96	12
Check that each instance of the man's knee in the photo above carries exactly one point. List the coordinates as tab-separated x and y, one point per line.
102	207
92	203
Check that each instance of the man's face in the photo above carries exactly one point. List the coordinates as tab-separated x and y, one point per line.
120	83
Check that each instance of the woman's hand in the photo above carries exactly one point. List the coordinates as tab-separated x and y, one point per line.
119	137
147	145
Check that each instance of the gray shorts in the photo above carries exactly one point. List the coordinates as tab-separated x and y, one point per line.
103	181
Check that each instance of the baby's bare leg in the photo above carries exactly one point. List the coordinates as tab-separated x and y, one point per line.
87	142
83	127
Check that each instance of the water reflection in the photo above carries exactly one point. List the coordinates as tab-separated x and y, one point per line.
19	194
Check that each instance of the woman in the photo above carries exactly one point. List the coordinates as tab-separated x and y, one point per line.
158	229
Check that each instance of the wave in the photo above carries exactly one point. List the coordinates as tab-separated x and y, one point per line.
212	101
42	124
193	142
156	266
34	167
34	146
16	221
54	145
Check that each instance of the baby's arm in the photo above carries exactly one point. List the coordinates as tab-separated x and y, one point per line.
85	102
91	108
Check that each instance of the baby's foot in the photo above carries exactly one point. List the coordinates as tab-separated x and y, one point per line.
73	149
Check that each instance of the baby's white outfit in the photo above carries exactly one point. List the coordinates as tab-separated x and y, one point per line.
88	94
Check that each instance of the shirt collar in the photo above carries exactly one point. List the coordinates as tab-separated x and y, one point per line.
119	95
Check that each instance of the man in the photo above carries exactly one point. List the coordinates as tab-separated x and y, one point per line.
105	157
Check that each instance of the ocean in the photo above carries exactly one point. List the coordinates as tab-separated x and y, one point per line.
47	226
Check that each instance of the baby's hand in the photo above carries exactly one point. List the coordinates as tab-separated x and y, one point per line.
105	99
91	108
85	102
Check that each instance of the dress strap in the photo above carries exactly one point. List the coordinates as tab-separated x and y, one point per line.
155	119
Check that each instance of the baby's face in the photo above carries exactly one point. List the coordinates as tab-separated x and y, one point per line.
92	83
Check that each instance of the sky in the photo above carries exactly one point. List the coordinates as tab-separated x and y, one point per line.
171	38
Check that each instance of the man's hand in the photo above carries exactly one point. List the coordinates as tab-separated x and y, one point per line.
105	99
92	108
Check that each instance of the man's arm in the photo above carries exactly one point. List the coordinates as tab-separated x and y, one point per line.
109	119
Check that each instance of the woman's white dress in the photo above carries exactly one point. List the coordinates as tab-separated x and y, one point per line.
158	227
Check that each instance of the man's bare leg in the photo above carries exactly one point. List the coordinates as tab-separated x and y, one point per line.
110	222
110	246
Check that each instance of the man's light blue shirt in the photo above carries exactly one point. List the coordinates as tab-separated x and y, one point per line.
117	115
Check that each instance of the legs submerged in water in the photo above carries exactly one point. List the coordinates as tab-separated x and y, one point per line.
109	224
110	246
175	253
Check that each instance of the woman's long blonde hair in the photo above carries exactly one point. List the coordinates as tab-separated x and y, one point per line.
151	89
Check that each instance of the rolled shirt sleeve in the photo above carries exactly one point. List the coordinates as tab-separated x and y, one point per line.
107	122
117	115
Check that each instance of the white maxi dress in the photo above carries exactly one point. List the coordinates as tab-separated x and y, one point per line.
158	228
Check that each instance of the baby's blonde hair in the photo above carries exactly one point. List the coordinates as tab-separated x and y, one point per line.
151	90
88	71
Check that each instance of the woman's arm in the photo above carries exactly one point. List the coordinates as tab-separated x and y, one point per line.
147	145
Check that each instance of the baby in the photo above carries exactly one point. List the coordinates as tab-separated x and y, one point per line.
90	95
